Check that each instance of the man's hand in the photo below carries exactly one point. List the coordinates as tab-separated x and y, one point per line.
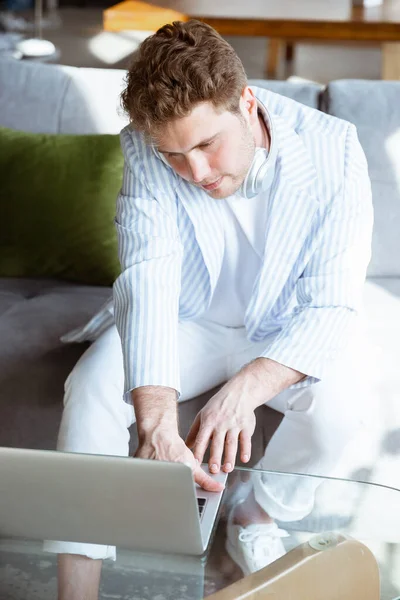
161	445
228	417
159	439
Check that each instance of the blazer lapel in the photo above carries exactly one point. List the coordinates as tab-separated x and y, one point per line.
291	210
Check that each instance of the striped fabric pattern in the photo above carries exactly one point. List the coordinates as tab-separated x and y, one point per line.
308	292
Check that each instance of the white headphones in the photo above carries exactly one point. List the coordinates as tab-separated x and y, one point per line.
261	172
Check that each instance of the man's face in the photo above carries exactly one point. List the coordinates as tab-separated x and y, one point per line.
209	148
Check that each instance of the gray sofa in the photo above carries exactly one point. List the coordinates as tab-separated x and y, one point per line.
35	313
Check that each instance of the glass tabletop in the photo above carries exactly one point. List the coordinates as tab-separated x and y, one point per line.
257	507
364	511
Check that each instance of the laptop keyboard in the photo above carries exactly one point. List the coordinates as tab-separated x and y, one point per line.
201	503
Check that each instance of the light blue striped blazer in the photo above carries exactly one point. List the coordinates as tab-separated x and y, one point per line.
317	247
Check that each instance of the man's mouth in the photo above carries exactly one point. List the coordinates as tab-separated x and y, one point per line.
212	186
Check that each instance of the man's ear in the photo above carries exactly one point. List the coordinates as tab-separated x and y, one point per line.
247	103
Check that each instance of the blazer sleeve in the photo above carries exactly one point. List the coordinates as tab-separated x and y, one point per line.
329	292
146	294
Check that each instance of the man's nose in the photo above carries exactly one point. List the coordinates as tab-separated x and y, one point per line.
199	168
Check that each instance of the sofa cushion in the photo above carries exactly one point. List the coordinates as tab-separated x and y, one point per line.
57	200
33	362
92	101
374	107
60	99
382	311
374	456
307	93
31	95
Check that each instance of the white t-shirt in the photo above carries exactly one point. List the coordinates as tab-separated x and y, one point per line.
244	227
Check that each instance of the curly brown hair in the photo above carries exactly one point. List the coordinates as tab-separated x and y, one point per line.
178	67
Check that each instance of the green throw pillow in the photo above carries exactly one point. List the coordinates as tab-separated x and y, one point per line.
57	203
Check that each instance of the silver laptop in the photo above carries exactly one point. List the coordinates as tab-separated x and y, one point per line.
130	503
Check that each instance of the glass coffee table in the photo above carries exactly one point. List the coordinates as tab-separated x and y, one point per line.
366	512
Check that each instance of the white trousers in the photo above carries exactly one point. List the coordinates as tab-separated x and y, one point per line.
318	420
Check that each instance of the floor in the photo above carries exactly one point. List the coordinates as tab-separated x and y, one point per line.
82	43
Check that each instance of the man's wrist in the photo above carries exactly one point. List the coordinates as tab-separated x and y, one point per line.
254	376
155	409
267	378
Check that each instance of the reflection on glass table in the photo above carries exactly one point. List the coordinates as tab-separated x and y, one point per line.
264	516
305	508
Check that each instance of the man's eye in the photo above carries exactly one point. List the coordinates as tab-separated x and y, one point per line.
205	145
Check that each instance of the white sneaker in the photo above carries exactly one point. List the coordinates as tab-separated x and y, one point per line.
255	546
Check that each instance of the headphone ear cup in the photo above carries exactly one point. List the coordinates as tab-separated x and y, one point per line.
265	175
254	180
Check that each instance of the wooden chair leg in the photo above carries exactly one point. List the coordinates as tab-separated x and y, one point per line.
391	61
273	56
289	51
289	59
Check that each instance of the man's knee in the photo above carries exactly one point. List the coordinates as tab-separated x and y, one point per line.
97	374
334	418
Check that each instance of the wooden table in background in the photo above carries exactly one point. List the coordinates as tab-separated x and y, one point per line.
282	21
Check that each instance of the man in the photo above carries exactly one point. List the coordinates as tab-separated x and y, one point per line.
244	225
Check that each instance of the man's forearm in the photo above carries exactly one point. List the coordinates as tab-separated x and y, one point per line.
266	378
155	406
